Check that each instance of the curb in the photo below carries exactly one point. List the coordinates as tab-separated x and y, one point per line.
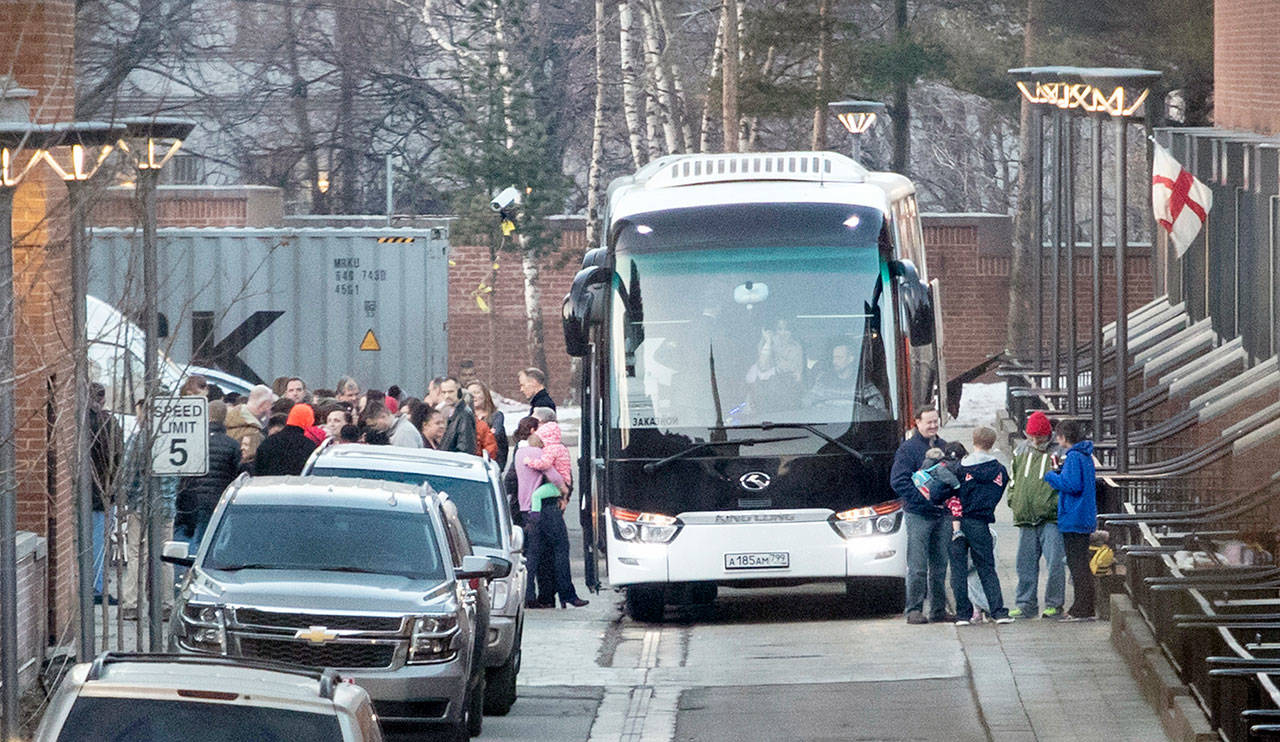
1181	717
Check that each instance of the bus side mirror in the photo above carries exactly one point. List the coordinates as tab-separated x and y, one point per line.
917	301
577	311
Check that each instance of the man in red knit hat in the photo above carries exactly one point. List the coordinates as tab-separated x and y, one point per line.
1035	513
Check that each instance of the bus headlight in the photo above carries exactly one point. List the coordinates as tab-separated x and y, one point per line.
877	520
645	528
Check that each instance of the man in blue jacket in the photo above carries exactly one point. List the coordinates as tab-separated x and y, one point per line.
928	530
1077	513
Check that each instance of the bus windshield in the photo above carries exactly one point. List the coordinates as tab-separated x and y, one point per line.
738	334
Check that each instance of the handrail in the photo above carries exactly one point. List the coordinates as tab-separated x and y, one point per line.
1261	494
1257	375
1189	332
1205	368
1197	345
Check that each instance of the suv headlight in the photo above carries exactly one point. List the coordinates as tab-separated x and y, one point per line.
645	528
433	639
877	520
203	628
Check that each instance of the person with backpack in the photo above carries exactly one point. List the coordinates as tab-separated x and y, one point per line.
1076	484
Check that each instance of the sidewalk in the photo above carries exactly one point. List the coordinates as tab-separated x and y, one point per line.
1039	679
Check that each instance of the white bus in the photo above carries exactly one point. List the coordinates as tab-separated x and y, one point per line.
754	336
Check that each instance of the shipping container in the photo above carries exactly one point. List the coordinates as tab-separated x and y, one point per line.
317	303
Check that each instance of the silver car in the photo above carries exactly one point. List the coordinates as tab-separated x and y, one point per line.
375	579
163	698
474	484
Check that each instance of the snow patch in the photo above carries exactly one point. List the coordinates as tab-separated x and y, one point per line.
979	404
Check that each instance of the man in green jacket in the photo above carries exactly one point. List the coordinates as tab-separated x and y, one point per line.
1035	513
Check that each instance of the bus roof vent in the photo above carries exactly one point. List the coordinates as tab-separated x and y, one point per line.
815	167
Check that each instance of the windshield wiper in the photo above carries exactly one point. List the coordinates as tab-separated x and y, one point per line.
766	425
653	466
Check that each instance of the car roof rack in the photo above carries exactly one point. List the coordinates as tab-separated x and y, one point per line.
327	677
315	455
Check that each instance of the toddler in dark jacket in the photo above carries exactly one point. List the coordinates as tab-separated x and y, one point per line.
982	483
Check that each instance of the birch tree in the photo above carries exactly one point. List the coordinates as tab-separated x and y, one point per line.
729	59
630	106
597	132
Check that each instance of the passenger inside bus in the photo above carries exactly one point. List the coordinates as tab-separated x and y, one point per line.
779	368
838	384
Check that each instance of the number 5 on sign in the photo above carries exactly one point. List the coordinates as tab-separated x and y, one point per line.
181	429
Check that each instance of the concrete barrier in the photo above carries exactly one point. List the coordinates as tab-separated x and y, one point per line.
1181	717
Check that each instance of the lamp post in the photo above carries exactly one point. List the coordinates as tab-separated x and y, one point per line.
151	142
20	148
85	146
857	116
1120	94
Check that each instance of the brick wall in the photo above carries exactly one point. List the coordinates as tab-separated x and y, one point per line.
39	54
1246	65
971	257
470	326
195	206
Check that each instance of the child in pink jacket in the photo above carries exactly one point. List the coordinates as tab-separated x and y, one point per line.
554	453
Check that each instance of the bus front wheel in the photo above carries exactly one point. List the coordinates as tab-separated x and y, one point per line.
876	595
646	603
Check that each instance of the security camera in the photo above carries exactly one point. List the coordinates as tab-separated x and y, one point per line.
506	199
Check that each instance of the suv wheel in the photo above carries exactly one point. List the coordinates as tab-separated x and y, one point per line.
475	708
500	685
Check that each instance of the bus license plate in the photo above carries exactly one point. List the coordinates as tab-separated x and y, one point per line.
758	560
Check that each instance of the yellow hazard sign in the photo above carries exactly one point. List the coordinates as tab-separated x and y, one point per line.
370	342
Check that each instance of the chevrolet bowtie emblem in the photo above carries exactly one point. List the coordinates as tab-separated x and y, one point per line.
316	634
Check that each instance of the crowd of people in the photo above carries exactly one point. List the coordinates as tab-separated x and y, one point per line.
273	430
950	496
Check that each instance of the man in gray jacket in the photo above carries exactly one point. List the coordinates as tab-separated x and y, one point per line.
399	430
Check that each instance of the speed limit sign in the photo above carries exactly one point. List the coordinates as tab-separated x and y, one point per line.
180	427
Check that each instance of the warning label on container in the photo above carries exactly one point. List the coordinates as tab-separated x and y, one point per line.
370	342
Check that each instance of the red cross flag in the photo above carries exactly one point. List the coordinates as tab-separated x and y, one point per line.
1180	200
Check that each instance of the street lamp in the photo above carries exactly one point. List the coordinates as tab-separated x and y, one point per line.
21	144
1100	93
151	142
84	146
857	116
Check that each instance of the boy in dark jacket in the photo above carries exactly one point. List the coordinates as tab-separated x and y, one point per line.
1077	513
982	483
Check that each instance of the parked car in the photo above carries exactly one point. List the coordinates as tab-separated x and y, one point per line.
474	484
164	697
375	579
225	381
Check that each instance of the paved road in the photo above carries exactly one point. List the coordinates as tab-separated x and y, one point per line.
802	664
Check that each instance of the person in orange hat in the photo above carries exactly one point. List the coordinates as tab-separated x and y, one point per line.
287	451
1035	513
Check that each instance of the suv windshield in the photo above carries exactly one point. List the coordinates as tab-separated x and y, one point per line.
392	542
95	719
476	504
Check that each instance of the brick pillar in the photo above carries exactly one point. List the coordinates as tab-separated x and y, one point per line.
38	47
